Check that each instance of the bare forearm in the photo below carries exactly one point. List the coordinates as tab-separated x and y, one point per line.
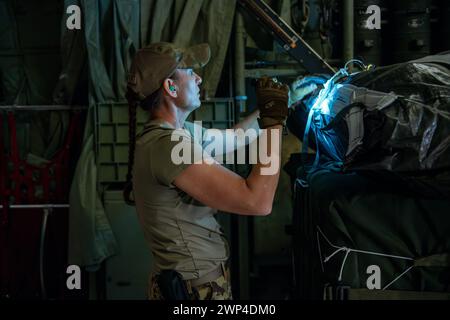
240	135
263	179
248	122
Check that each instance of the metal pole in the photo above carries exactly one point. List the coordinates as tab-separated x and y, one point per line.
348	31
240	98
239	63
48	209
36	206
42	108
47	212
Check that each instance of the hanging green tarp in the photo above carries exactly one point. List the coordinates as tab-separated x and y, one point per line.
188	22
29	64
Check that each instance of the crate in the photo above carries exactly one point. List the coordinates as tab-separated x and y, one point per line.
217	113
111	132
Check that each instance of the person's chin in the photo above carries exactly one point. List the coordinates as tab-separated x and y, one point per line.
193	107
196	105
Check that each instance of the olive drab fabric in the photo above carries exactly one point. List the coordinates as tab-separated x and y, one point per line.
29	64
375	216
182	233
72	82
90	236
111	32
190	22
29	69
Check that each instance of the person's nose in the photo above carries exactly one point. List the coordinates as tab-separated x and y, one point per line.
198	79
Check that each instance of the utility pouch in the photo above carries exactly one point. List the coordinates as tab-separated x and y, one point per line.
172	286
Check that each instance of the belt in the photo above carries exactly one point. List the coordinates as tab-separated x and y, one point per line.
210	276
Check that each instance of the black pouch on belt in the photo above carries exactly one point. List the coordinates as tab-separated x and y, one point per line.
172	286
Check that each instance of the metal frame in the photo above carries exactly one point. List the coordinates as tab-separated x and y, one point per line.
291	41
41	108
47	208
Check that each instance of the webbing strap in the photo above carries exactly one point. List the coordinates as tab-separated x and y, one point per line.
435	260
26	177
4	193
355	124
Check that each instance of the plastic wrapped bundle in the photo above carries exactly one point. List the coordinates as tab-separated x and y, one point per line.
395	118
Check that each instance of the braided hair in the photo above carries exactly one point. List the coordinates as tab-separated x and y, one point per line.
133	104
148	104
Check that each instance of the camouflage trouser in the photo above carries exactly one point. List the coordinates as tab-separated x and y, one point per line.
219	289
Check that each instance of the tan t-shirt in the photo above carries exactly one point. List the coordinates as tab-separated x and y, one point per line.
182	233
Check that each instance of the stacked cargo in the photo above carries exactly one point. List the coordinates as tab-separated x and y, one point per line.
371	205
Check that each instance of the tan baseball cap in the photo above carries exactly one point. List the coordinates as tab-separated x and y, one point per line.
153	64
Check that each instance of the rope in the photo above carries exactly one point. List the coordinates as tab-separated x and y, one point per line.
133	104
442	113
397	278
317	103
320	252
349	250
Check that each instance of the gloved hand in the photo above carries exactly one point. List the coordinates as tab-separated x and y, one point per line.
272	98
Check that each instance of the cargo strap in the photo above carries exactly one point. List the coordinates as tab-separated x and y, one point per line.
21	180
3	167
336	97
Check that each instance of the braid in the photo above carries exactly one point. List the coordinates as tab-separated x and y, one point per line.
148	104
133	104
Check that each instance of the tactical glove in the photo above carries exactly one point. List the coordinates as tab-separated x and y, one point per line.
272	98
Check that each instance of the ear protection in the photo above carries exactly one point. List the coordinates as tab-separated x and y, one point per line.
171	88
